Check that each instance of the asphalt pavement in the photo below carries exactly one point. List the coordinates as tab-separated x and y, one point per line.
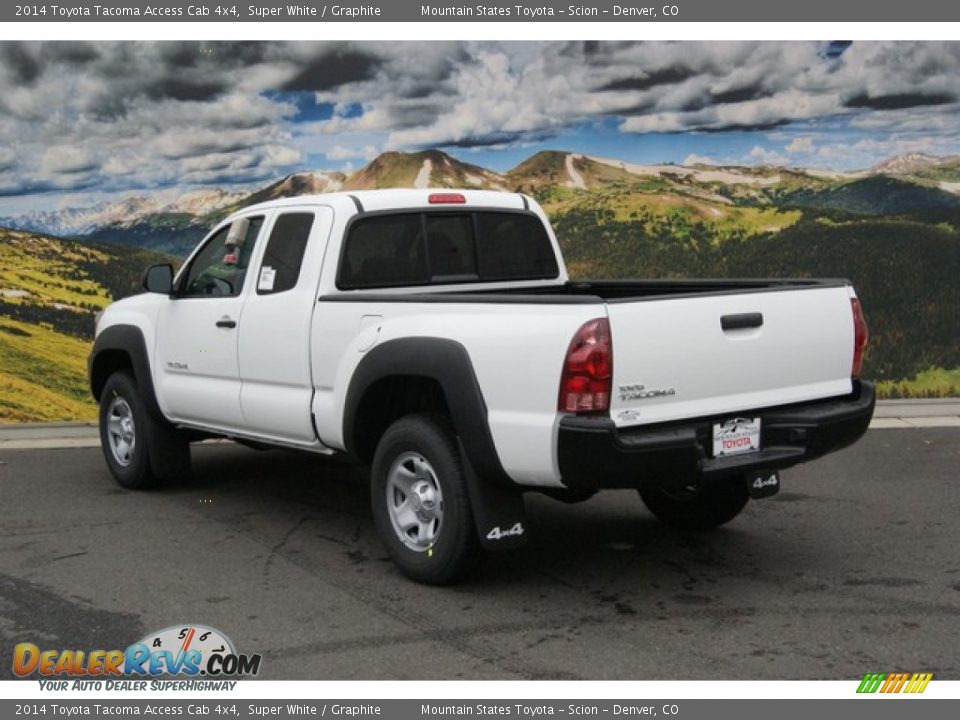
853	567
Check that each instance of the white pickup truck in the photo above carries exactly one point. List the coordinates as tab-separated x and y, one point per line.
435	336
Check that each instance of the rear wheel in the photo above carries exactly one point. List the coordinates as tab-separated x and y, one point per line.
420	504
702	508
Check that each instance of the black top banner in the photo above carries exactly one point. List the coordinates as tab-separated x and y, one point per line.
641	11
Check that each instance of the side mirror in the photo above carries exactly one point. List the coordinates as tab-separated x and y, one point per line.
158	279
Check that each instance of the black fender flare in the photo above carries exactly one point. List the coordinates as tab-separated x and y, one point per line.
168	449
497	501
448	363
129	340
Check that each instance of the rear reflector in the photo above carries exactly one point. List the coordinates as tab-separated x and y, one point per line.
588	370
446	199
860	337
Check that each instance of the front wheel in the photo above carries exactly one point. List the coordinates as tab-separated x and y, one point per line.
703	508
123	432
139	451
420	504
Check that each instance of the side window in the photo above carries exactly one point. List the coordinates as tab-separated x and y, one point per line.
283	256
384	251
219	269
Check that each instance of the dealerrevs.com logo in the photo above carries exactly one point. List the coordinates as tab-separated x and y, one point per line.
181	651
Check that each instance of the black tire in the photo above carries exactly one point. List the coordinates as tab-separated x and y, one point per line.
121	399
455	548
711	506
159	452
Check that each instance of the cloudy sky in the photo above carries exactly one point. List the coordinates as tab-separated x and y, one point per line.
81	122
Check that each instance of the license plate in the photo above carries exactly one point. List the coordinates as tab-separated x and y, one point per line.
736	436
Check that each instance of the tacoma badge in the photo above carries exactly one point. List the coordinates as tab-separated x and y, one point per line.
641	392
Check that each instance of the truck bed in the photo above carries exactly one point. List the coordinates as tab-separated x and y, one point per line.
688	348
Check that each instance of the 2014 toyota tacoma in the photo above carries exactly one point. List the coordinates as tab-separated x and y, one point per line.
435	336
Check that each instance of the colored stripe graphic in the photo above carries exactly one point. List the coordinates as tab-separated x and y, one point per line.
919	682
890	683
899	681
871	682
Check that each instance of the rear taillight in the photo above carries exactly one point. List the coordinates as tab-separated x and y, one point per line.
588	370
860	337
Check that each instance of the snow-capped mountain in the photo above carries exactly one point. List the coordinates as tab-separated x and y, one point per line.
84	220
158	220
81	220
910	163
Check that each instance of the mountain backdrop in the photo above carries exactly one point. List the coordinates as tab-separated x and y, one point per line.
893	229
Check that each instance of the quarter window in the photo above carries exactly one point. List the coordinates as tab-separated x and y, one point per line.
283	256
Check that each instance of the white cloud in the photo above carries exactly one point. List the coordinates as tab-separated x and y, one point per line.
8	158
695	159
116	166
280	156
67	159
800	145
867	152
761	156
116	116
339	152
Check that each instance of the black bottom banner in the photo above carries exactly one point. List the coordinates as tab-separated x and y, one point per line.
874	708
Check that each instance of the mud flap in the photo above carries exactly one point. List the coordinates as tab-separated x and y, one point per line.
168	452
498	511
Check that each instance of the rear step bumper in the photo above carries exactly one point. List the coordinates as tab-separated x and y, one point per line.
593	454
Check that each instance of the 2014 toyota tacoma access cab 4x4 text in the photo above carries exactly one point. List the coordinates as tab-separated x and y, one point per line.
435	336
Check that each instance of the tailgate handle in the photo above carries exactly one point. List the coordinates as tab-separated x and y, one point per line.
741	321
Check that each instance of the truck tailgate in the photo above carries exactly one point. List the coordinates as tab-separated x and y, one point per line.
719	354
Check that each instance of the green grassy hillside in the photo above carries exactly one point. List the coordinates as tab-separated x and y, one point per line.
880	195
172	233
50	290
933	383
42	374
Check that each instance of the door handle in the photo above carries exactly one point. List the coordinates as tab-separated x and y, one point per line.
226	322
741	321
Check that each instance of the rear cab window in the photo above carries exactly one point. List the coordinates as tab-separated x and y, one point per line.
445	247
